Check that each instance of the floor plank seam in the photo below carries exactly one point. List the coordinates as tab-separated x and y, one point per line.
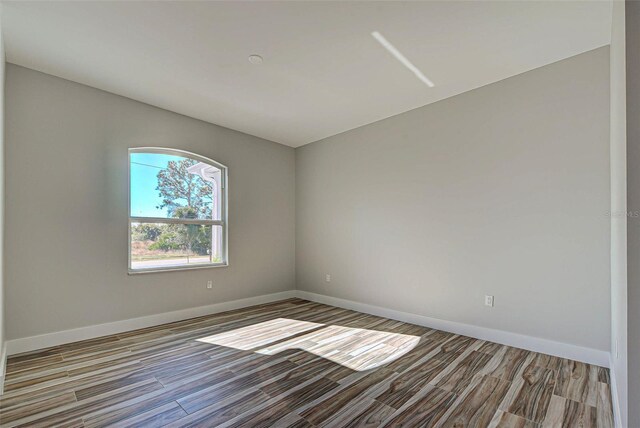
179	405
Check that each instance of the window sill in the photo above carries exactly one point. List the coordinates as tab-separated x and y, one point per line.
176	269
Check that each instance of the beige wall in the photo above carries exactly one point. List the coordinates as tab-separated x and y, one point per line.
633	200
618	160
2	204
66	211
500	191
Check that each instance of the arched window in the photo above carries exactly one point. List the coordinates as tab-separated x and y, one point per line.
177	211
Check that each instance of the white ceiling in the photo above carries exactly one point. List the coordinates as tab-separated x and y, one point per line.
322	73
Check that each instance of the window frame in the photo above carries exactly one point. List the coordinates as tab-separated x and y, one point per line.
223	222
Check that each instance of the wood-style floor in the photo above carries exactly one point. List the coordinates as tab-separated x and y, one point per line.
299	364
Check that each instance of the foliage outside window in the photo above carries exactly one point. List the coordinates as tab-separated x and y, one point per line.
177	211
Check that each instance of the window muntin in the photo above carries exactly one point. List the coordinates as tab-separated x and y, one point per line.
177	211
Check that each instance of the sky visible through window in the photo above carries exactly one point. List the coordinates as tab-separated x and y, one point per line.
186	189
144	179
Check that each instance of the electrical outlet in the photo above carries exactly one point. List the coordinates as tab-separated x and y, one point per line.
488	300
327	278
209	284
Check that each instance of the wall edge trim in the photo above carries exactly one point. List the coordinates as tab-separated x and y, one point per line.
615	400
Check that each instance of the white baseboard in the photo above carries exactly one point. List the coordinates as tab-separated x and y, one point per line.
33	343
545	346
615	401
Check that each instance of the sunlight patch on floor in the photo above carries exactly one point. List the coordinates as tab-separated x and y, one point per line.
356	348
261	334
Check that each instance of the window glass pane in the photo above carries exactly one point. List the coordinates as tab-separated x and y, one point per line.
169	186
159	245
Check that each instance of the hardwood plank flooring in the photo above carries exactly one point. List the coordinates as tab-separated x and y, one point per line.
299	364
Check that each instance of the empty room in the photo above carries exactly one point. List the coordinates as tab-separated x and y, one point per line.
320	214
